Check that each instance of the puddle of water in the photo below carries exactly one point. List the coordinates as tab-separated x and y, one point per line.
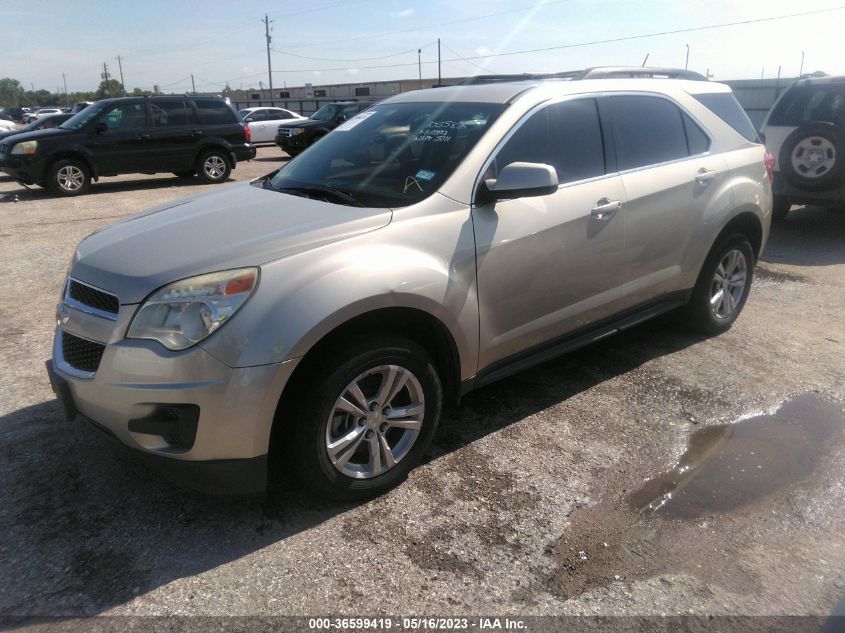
729	466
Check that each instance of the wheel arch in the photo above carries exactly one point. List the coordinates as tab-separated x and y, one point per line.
70	153
420	326
746	221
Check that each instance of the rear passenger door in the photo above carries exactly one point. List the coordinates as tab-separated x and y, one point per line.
671	180
550	265
173	136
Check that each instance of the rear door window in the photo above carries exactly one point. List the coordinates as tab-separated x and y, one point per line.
647	131
172	114
214	112
805	104
725	106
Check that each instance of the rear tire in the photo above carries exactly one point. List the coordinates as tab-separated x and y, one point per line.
213	166
780	207
723	286
383	444
68	177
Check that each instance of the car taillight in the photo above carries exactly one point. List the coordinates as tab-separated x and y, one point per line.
769	161
246	133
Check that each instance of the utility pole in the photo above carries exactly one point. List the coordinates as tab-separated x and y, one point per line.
64	82
801	69
193	87
439	80
686	63
645	59
419	64
269	65
120	66
105	76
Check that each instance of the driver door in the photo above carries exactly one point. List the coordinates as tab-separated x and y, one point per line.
550	265
123	144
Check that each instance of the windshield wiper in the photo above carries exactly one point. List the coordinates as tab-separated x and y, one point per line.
326	191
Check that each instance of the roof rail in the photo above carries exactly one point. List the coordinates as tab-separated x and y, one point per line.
599	72
620	72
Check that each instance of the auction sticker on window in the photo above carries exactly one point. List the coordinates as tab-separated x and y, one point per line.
358	118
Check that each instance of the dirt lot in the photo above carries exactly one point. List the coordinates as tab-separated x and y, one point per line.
534	499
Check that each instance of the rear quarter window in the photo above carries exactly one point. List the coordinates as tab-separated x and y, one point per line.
725	106
214	112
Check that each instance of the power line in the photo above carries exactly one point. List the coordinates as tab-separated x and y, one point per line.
487	70
358	59
561	46
438	25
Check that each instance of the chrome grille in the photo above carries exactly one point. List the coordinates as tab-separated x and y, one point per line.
285	131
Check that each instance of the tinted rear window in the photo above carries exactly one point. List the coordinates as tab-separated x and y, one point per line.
214	112
803	104
725	106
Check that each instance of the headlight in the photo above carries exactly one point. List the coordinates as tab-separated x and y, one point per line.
297	130
185	312
27	147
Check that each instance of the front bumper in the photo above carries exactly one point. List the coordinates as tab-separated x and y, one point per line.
292	143
26	169
135	380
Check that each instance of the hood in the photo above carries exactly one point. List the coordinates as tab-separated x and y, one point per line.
240	225
40	135
306	123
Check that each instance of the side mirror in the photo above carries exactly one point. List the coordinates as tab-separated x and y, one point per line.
100	127
340	118
248	119
521	180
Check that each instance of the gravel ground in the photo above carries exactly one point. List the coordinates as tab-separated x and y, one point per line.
523	505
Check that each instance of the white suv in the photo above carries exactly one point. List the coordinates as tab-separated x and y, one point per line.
805	131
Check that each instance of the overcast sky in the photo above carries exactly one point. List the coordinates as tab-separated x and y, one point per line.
163	41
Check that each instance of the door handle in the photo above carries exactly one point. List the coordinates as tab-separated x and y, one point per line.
196	132
705	175
605	208
142	137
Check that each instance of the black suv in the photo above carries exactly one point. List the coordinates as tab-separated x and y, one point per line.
148	135
296	137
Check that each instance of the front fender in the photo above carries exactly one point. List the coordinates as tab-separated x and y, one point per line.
426	263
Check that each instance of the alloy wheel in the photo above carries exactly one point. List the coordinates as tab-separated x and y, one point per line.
375	421
214	167
70	178
728	284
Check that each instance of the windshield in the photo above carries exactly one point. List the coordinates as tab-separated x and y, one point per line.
244	113
326	113
391	155
78	120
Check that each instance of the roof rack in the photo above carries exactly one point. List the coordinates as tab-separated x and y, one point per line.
599	72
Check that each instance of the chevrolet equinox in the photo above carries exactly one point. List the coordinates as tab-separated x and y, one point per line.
436	242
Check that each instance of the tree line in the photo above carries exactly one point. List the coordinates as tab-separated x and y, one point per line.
13	94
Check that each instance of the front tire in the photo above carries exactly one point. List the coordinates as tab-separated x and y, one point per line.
723	285
213	166
69	177
360	429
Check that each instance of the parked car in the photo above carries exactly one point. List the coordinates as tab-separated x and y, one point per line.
183	135
79	106
264	122
14	114
805	131
297	137
331	308
44	123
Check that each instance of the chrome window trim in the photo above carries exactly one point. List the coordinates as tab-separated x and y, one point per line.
82	307
594	95
61	363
